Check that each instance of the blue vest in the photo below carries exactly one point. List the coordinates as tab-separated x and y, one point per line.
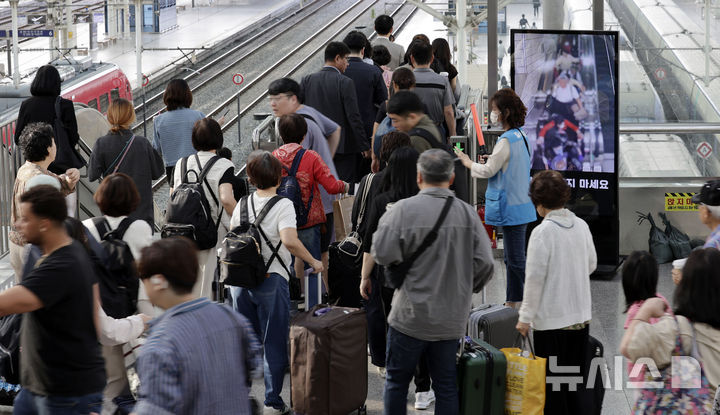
507	201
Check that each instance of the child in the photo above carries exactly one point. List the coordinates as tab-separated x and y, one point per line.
639	280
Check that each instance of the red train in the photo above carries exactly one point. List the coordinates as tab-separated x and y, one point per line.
95	85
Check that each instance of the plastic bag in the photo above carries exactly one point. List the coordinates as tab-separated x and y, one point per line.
658	242
679	241
525	382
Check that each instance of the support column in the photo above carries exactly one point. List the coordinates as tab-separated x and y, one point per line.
492	38
462	55
598	15
138	42
16	43
708	12
553	14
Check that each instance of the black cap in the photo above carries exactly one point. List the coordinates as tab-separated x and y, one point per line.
709	194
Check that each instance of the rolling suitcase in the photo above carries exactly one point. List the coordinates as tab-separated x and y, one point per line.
481	373
494	324
328	361
594	394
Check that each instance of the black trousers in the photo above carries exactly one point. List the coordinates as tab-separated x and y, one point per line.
567	348
377	309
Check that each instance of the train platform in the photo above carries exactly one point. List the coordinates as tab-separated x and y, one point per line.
204	26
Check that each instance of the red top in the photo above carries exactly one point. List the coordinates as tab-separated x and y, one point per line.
311	172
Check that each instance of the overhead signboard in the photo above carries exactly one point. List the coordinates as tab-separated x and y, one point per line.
568	82
29	33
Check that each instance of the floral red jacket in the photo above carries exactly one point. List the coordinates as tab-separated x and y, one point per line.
311	172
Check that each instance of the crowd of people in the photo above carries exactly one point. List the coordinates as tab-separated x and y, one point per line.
92	291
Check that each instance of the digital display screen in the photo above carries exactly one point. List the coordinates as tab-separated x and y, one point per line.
568	82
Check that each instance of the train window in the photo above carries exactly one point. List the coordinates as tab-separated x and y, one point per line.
114	94
93	103
104	103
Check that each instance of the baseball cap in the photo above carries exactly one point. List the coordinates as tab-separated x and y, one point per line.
709	194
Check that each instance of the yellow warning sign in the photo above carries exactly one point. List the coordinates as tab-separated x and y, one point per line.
679	202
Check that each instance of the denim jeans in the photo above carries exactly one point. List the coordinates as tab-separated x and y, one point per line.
403	355
28	403
267	307
514	251
310	237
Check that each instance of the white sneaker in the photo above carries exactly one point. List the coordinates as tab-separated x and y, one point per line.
382	372
424	399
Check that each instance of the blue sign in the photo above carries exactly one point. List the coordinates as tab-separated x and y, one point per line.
29	33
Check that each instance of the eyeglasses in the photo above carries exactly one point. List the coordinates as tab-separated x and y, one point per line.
278	98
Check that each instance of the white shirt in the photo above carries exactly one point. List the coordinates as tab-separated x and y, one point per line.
567	94
137	236
281	216
500	158
560	257
118	331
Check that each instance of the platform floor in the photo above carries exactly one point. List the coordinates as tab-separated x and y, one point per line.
606	325
201	26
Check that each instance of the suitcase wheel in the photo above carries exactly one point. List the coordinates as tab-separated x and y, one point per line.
362	410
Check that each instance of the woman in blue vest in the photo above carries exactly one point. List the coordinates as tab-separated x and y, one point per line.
507	203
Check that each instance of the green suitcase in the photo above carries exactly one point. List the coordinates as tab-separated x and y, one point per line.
481	372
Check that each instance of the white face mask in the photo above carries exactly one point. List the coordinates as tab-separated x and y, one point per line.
494	118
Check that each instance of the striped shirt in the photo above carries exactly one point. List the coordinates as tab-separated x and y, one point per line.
198	359
173	134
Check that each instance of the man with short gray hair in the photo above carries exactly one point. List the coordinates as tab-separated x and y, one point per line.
431	304
709	210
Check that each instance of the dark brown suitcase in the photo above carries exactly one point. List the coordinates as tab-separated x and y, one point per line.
328	361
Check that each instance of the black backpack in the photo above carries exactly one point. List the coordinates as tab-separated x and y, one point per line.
290	188
118	280
241	260
188	213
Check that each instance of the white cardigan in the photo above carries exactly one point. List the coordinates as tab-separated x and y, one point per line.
561	255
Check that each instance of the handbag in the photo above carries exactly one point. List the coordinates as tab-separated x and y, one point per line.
681	392
525	381
351	245
67	156
395	273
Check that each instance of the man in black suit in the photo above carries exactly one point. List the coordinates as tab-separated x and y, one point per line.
333	94
369	84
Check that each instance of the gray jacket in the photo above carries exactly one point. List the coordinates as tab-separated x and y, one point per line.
397	52
435	300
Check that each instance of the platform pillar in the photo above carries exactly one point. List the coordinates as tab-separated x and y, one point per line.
553	14
16	43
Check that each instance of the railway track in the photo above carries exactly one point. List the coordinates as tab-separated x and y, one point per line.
287	58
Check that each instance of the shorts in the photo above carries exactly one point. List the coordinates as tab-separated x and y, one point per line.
327	233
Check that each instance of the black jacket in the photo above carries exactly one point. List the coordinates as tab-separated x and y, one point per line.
370	89
42	109
333	94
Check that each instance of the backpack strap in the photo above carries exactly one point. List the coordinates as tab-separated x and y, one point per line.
184	171
429	137
306	116
275	249
203	175
244	214
296	162
102	226
363	199
123	227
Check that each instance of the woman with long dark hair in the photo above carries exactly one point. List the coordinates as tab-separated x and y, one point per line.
442	61
40	107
